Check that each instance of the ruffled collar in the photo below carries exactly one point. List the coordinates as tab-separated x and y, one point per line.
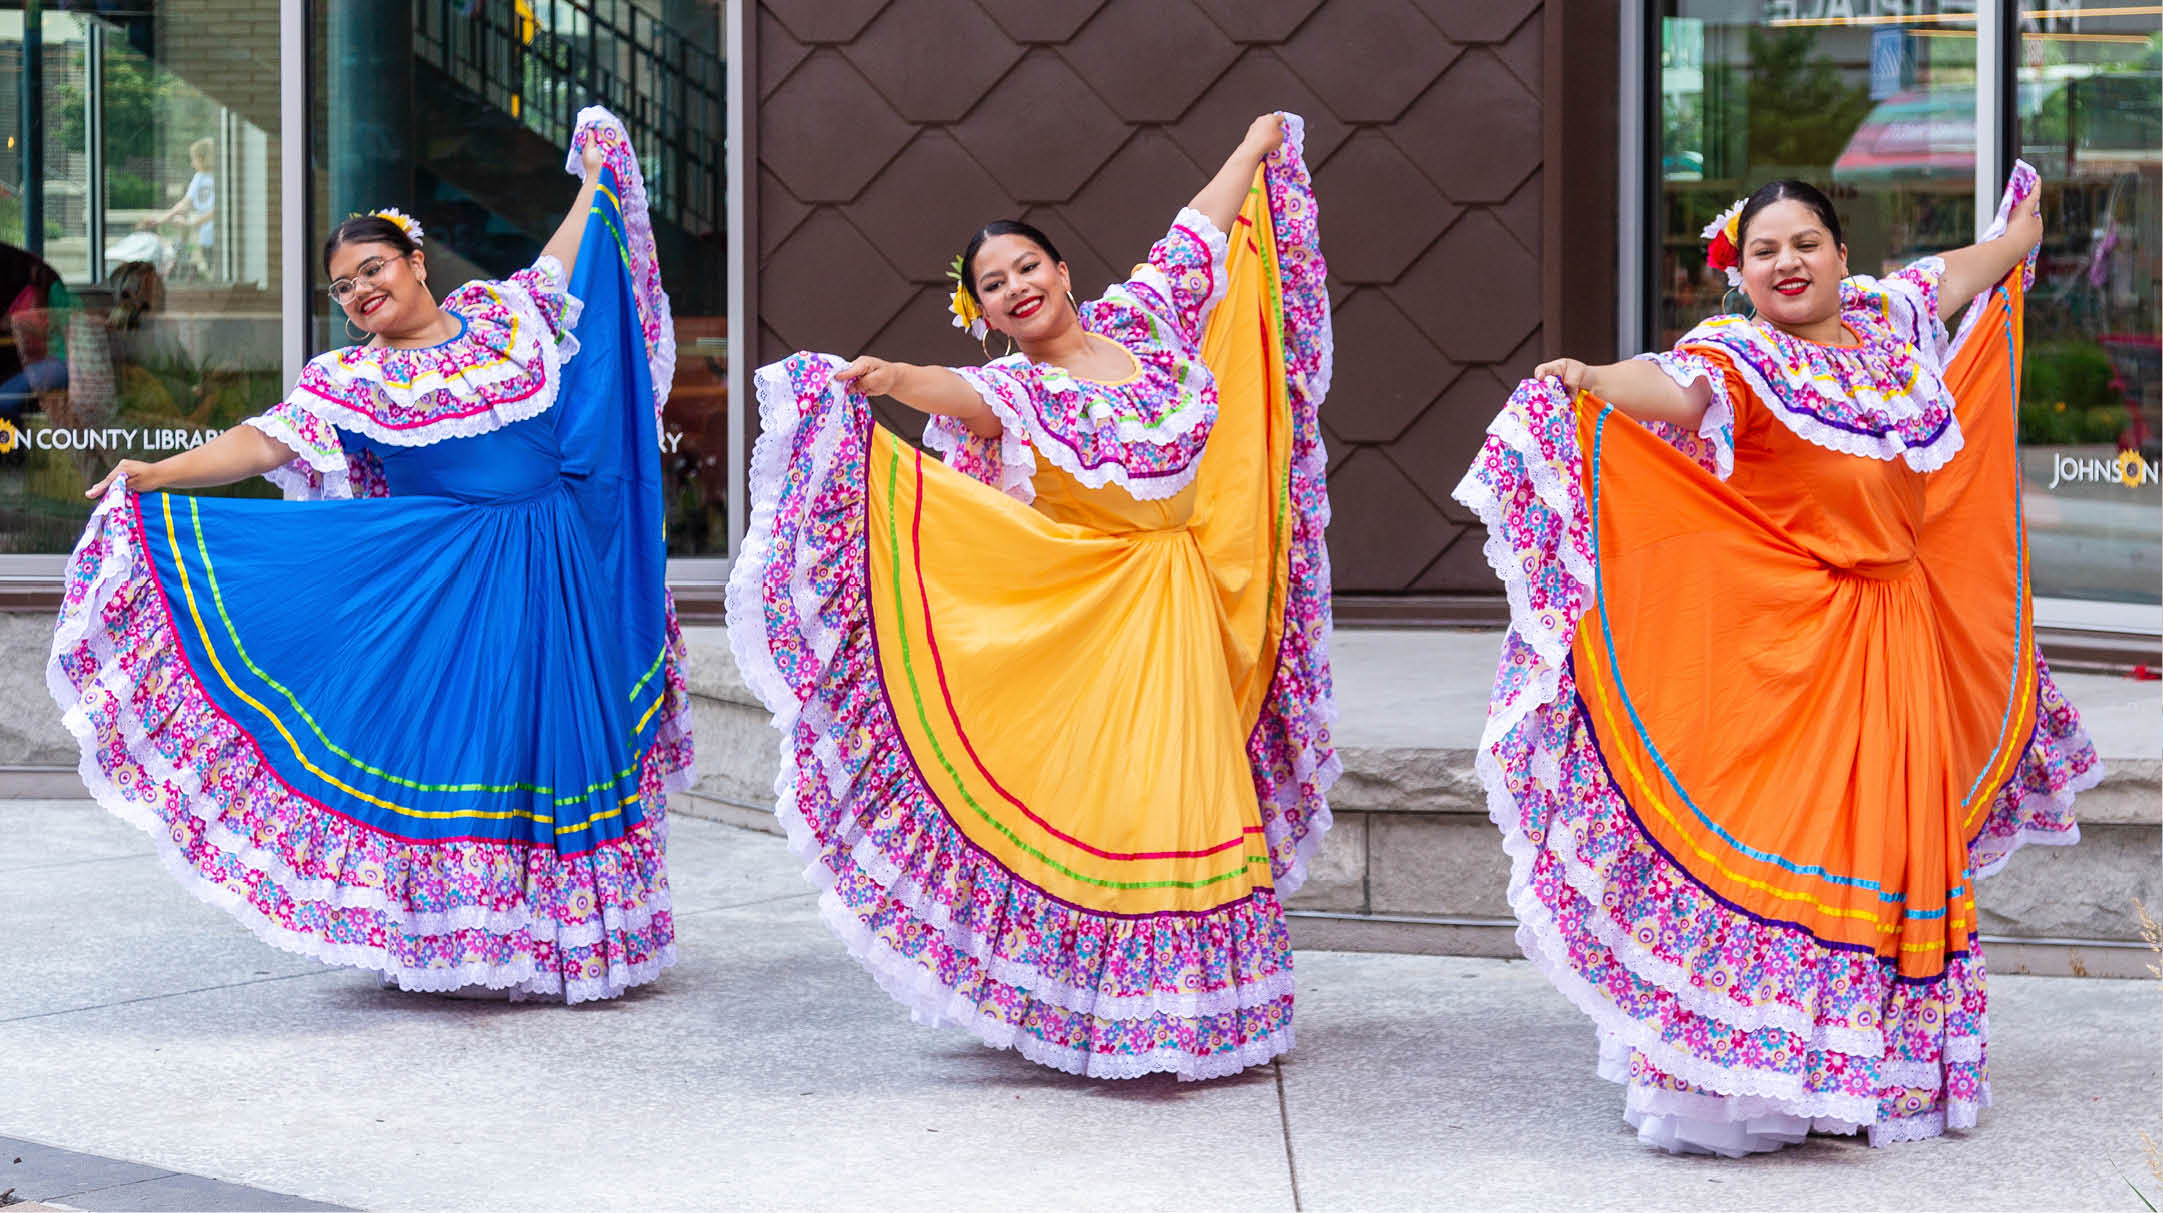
503	366
1882	398
1144	433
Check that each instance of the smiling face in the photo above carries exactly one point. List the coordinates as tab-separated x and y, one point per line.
1022	290
388	294
1792	266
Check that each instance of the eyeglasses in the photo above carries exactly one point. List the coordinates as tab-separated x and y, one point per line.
342	289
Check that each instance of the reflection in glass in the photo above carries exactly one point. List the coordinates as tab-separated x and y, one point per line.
1879	110
139	309
2091	119
458	113
1857	109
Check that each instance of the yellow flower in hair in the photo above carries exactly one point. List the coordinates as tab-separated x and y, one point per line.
406	223
967	315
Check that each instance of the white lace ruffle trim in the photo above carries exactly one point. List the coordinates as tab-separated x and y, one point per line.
1016	470
645	267
79	624
314	473
1745	353
1718	424
467	386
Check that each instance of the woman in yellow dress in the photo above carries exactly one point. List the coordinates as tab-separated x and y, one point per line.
1055	713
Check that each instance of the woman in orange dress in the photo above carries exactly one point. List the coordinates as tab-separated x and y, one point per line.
1055	713
1770	701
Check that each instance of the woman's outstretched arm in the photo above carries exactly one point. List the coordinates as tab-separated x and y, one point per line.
1637	387
1221	199
563	246
1972	270
927	389
237	454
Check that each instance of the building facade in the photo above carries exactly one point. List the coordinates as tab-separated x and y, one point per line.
1501	182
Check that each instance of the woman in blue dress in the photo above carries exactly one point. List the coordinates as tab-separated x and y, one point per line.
422	716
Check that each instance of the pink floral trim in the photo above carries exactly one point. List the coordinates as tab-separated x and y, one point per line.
319	469
1291	752
655	318
945	929
1006	463
1712	444
1705	1012
504	366
2018	189
432	916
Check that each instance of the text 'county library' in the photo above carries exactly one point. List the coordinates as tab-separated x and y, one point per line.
1500	181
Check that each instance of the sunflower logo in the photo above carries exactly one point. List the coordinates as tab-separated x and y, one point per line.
2130	468
9	436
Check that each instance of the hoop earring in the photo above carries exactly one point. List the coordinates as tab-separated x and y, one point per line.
355	338
1070	303
984	343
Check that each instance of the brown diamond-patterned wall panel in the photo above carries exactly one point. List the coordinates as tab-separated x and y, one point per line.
933	58
891	127
1439	446
1387	373
1368	58
1041	20
779	212
1149	58
1258	20
1397	532
1041	130
856	291
923	208
797	127
1461	292
1523	52
824	20
1258	84
1521	214
1479	161
1479	20
779	52
1369	187
1131	201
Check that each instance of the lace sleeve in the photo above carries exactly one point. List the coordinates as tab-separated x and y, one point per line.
319	470
1184	276
546	283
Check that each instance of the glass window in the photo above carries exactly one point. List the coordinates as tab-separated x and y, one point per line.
1878	114
139	254
2091	120
460	117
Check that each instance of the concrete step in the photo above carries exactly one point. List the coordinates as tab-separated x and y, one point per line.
1414	865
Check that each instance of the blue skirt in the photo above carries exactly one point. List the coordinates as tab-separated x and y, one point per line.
429	734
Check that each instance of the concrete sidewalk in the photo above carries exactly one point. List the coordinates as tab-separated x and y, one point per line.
767	1071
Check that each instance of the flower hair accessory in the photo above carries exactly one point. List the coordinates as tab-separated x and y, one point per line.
1723	252
967	315
406	223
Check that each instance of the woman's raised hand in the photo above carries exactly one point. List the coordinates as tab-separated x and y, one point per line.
136	473
1572	373
590	157
1266	134
871	376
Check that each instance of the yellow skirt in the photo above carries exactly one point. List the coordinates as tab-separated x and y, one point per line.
1053	765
